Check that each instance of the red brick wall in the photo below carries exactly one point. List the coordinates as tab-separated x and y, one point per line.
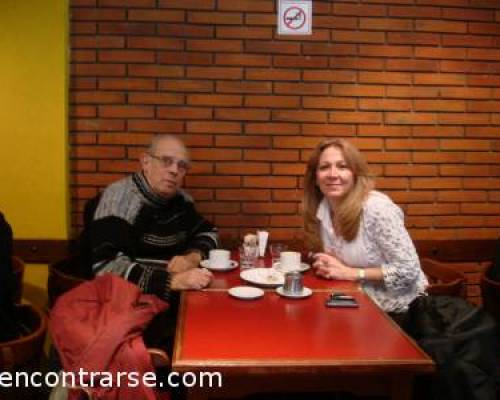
414	83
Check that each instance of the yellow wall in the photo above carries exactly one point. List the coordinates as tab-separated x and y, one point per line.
33	117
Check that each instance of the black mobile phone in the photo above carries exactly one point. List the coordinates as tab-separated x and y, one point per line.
341	302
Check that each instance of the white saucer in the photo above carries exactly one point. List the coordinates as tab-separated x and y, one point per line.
306	292
246	292
267	277
303	267
206	264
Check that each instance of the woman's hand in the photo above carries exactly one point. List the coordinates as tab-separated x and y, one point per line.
330	267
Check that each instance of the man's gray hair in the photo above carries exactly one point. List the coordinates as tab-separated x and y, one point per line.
163	136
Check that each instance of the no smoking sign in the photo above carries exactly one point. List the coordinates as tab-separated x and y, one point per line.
294	17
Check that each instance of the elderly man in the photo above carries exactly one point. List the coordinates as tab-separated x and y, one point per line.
145	219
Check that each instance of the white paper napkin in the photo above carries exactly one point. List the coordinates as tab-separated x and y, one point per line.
262	236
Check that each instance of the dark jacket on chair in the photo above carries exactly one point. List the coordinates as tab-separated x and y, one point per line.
460	337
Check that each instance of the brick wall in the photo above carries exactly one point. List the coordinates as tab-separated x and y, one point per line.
414	83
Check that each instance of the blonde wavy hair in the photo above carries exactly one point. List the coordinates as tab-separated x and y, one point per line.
348	211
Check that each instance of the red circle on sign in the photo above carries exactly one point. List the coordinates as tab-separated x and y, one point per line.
290	19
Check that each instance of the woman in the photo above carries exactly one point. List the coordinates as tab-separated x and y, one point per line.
362	231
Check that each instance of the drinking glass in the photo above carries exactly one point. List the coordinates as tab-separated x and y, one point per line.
248	256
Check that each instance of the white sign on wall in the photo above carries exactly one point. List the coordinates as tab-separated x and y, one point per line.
295	17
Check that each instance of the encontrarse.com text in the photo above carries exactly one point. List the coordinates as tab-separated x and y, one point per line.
107	379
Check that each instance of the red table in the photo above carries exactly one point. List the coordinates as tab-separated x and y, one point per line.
279	344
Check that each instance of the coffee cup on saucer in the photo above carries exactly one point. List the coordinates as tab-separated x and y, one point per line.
290	260
219	258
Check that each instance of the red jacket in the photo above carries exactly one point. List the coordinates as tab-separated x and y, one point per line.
98	326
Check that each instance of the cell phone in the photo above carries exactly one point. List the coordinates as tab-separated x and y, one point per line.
341	297
341	302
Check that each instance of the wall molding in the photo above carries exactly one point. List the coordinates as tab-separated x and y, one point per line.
457	250
42	251
48	251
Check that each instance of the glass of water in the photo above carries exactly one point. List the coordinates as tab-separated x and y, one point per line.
248	256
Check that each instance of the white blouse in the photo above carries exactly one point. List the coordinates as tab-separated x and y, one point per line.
382	241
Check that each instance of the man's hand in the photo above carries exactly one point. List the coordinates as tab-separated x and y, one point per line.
194	279
184	263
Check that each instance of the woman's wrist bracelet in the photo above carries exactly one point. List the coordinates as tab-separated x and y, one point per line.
361	275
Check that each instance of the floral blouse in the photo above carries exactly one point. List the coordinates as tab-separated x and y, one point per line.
382	241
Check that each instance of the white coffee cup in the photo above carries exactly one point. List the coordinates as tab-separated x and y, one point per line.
290	260
219	258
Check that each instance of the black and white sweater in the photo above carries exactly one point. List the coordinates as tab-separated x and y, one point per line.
131	223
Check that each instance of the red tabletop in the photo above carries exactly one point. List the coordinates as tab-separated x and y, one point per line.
216	330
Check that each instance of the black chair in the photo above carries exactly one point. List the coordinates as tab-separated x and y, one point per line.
25	352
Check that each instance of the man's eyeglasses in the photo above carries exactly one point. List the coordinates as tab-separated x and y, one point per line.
167	161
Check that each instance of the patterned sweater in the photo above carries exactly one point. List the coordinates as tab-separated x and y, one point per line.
132	223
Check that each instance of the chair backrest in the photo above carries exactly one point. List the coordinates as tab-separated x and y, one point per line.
25	352
60	279
443	279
